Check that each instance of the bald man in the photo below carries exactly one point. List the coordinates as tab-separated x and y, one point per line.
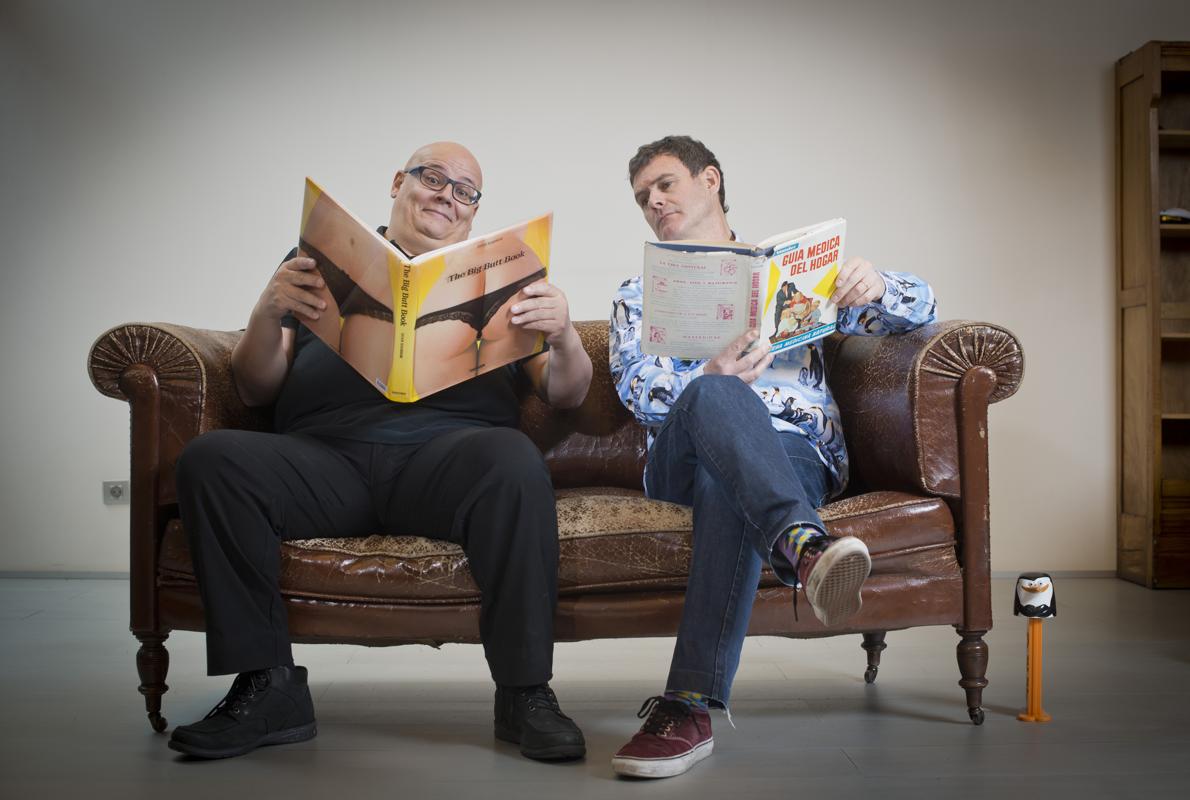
345	462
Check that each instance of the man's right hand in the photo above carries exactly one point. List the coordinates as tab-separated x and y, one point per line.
736	359
263	354
289	291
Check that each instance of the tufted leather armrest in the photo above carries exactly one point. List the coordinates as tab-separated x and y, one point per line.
899	399
178	383
191	366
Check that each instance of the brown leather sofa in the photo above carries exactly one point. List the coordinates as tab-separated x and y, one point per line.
914	411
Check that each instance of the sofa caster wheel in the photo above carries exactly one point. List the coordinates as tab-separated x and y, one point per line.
158	722
874	645
976	715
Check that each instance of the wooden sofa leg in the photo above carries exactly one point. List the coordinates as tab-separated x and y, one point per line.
152	663
973	664
874	644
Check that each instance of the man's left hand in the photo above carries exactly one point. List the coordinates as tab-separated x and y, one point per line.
545	309
858	284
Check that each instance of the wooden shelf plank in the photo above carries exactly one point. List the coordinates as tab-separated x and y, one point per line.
1173	140
1175	231
1175	337
1175	416
1175	488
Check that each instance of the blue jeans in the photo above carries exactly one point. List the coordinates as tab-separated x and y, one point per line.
717	451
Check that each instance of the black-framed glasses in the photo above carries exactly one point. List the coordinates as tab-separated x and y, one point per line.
434	179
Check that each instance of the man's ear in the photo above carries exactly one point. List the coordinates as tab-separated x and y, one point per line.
398	179
711	177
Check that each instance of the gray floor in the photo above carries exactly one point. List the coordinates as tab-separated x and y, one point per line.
414	722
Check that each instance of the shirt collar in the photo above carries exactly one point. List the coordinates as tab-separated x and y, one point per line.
383	231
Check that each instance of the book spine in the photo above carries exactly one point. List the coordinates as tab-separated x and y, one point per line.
754	287
404	282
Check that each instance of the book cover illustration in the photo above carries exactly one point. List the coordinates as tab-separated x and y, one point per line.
414	326
802	269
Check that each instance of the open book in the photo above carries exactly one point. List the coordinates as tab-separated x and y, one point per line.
414	326
700	295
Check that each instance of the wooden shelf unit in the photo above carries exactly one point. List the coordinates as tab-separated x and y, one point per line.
1153	292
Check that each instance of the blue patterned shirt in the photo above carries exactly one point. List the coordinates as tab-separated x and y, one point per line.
793	388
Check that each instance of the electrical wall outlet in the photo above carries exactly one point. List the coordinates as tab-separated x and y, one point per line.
115	493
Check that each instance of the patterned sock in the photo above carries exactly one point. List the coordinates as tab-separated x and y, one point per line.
695	700
791	543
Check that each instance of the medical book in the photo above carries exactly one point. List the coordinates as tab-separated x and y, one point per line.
415	326
698	295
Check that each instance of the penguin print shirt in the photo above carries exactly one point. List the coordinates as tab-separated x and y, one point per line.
793	388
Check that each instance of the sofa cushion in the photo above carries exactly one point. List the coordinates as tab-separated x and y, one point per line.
609	540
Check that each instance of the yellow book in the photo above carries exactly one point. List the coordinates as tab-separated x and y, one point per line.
414	326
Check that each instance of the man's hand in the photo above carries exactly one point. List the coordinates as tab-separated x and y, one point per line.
858	284
544	309
736	359
289	291
562	375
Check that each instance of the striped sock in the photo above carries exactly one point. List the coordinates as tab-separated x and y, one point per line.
791	543
696	700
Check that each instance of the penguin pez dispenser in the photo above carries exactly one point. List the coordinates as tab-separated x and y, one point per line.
1034	598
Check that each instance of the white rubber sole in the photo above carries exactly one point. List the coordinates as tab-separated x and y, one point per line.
661	767
833	588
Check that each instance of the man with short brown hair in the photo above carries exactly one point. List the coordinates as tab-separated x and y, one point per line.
753	442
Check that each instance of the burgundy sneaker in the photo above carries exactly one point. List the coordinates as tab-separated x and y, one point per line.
673	739
832	572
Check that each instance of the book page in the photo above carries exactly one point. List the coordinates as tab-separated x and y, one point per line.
694	302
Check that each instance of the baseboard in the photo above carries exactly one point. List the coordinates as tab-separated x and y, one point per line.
1061	573
116	576
69	575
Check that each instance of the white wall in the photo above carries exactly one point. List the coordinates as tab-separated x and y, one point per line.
153	155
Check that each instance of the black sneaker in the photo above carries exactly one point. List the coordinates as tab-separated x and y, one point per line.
530	716
269	706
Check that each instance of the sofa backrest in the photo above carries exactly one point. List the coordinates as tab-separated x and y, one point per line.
597	444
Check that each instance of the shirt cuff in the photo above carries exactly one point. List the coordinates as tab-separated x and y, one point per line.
884	298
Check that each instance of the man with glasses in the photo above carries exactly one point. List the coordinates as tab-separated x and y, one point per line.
753	442
346	462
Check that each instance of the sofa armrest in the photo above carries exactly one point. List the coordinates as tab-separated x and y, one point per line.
178	383
899	397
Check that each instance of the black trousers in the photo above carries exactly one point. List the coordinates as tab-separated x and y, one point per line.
487	489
